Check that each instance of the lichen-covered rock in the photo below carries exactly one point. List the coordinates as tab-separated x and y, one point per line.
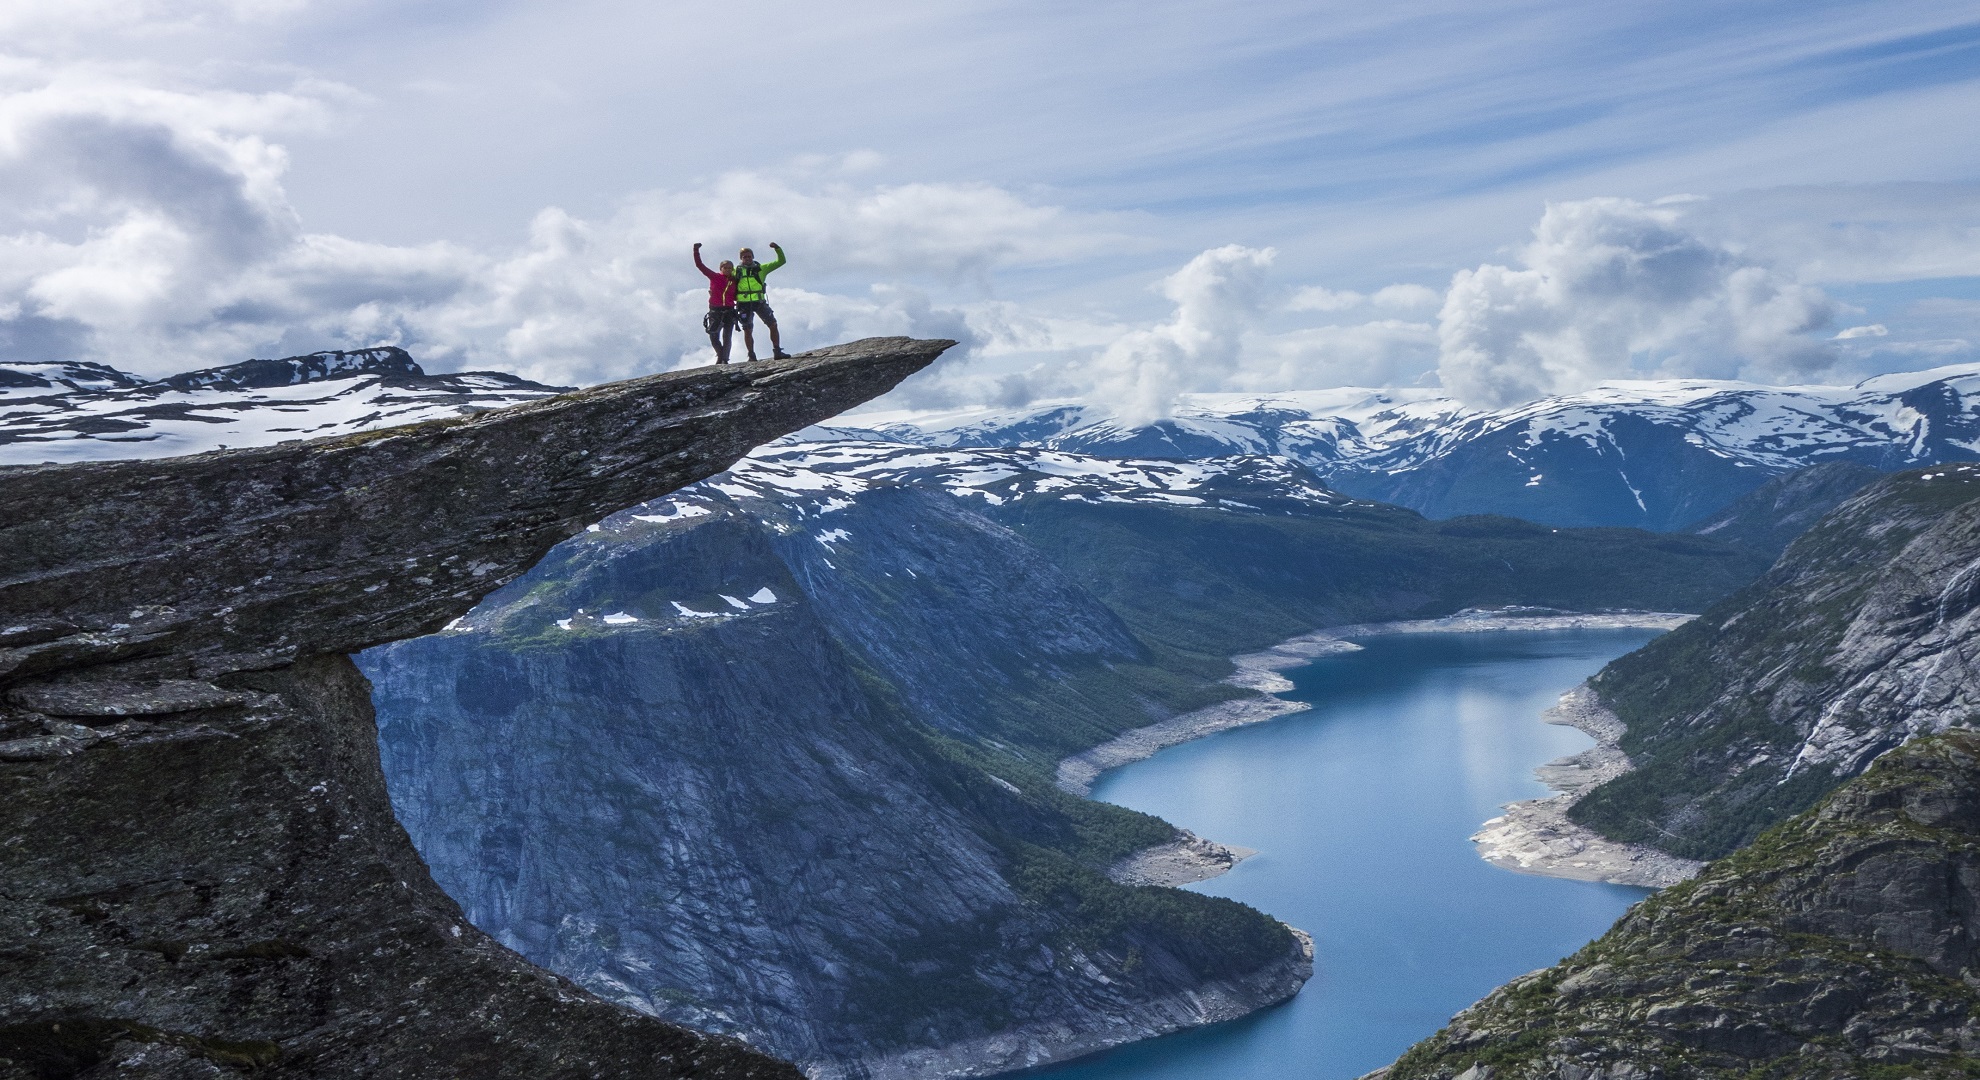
202	872
1865	633
1840	944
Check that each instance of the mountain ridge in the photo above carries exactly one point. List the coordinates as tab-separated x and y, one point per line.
1649	454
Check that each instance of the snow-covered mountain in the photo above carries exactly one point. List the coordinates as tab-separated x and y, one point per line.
1659	455
819	475
62	412
1653	454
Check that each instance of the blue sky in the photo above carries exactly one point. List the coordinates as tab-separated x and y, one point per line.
509	184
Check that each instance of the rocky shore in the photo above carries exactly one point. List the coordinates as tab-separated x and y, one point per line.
1536	837
1187	858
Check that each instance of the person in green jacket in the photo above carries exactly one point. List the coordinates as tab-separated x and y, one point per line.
750	291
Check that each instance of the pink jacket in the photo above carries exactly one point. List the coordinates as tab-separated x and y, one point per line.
721	287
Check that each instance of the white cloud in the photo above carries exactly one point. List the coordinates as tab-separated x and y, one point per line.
1403	297
1321	298
1614	288
1852	233
1198	347
1873	330
146	221
150	229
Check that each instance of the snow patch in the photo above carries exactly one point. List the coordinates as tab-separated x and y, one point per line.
675	512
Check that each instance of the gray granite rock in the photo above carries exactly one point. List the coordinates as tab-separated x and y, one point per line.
206	876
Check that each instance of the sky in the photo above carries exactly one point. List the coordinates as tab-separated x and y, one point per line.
1111	201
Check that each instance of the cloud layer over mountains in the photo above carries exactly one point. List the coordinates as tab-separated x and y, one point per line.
1612	288
147	221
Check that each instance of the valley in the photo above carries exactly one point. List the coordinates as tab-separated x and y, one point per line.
1359	809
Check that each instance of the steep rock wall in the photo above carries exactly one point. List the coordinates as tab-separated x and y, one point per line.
1865	633
670	765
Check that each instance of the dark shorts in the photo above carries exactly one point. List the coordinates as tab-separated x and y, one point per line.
719	319
747	311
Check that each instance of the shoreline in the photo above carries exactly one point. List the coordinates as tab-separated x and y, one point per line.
1534	836
1190	858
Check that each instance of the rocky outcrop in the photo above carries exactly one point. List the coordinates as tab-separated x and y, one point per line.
1840	944
202	870
1865	633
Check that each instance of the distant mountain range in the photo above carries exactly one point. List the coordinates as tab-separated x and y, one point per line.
1657	455
1663	455
62	412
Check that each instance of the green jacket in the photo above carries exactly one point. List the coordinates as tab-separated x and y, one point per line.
749	279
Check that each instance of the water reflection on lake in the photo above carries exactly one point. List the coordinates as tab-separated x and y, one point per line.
1361	810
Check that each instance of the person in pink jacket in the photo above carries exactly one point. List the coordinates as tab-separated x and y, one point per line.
720	322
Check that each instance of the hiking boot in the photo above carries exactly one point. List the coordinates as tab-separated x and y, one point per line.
780	355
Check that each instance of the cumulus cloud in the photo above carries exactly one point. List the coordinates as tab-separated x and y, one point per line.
144	223
1197	348
1615	288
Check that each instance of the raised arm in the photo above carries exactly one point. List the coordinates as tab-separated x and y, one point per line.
778	248
713	275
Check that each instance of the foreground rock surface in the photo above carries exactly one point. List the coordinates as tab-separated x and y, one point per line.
1840	944
202	870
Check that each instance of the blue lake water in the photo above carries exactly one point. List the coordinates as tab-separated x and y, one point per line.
1361	810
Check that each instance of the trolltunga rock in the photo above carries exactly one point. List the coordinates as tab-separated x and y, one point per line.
201	869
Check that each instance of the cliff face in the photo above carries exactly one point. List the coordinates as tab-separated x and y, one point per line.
1865	633
741	769
1839	945
203	872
